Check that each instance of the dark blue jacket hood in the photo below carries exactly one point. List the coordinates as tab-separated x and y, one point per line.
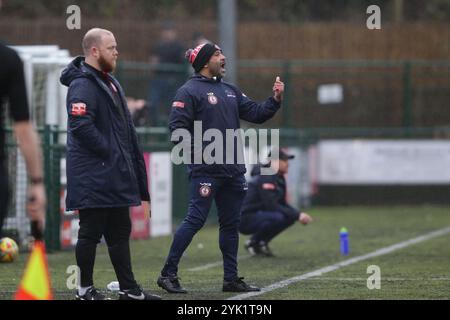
73	71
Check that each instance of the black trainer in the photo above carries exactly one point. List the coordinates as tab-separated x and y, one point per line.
137	294
238	285
253	248
91	294
171	284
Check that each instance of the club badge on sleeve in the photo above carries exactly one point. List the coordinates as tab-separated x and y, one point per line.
268	186
78	109
178	104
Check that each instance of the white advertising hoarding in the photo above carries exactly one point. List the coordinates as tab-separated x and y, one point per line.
161	193
330	93
384	162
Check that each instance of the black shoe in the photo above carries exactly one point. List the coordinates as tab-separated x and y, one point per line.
265	250
253	248
171	284
91	294
238	285
137	294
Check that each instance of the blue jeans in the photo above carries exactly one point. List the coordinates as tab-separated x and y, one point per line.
264	225
228	194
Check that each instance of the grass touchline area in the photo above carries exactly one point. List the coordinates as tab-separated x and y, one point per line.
299	251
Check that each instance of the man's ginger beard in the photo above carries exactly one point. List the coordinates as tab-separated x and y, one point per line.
105	66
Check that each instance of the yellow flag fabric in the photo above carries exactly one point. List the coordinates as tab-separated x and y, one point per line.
35	284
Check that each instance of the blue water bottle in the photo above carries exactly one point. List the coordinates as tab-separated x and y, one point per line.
343	236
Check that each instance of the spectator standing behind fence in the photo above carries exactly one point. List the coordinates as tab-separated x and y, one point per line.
12	88
167	59
139	111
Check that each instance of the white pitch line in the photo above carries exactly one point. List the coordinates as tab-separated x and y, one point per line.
213	264
336	266
384	279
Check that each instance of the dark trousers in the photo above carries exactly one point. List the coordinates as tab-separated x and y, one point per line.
115	225
228	194
162	89
264	225
4	195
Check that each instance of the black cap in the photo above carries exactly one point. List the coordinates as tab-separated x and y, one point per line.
282	153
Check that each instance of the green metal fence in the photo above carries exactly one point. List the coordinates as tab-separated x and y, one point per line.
376	93
381	99
157	139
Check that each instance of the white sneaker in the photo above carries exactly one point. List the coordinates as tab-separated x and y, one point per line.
113	286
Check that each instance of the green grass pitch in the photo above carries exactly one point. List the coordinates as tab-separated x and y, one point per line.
419	271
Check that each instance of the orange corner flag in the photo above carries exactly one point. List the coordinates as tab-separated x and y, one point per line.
35	284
